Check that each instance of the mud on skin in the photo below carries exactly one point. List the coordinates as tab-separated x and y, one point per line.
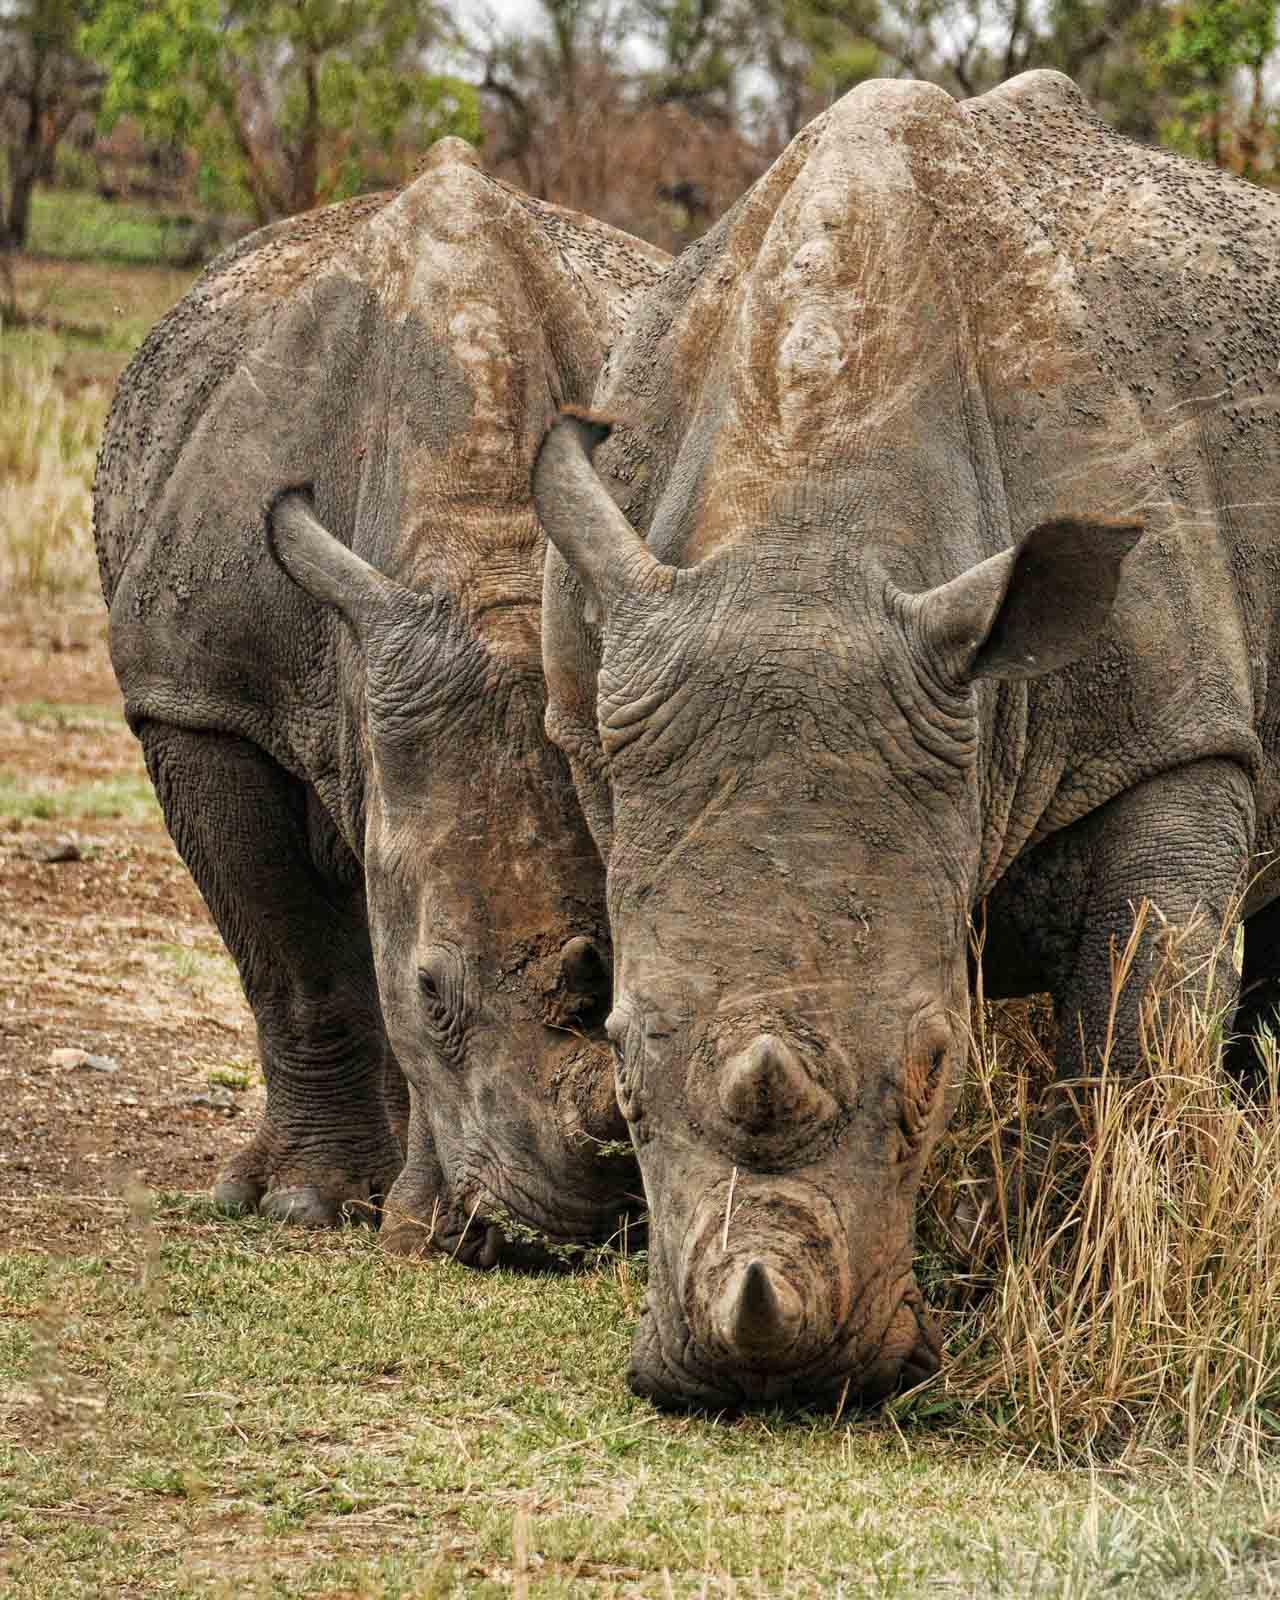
852	624
324	576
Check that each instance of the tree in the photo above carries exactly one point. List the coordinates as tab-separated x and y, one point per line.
45	84
606	108
554	89
288	103
1207	44
969	46
698	46
811	52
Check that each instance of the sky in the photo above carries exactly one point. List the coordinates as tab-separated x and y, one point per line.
509	12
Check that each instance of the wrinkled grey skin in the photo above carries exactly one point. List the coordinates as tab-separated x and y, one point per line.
893	645
343	715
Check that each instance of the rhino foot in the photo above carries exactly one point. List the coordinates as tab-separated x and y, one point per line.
303	1188
309	1207
237	1197
412	1211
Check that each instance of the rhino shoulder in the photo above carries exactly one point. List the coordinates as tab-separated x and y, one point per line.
614	268
1042	92
191	352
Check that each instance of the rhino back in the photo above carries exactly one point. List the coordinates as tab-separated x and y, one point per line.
188	356
615	270
932	325
1175	269
400	355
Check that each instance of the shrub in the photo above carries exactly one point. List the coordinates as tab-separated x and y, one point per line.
1113	1285
48	440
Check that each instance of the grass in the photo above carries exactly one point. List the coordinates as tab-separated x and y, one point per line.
130	796
213	1408
48	443
238	1075
196	968
217	1406
85	318
79	322
1118	1292
80	225
57	714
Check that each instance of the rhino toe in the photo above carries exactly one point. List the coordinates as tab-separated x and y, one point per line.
238	1197
303	1205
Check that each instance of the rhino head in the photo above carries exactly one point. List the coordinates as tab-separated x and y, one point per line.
792	828
488	931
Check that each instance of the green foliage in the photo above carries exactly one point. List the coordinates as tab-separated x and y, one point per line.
1197	57
841	67
696	49
1210	38
287	105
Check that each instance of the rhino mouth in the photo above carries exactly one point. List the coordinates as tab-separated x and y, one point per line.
676	1375
488	1232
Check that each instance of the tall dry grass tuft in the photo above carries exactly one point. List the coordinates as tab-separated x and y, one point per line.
48	440
1111	1280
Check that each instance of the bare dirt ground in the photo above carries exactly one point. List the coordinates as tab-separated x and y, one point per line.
110	953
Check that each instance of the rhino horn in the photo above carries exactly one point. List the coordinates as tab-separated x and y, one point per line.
761	1315
605	552
766	1085
322	565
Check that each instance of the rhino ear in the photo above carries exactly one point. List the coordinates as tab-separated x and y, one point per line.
1032	609
605	552
322	565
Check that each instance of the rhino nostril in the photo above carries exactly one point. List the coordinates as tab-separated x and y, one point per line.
582	967
766	1084
759	1313
585	983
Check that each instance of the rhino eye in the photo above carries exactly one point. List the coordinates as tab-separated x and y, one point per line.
440	988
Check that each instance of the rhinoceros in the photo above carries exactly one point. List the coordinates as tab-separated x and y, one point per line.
857	625
342	714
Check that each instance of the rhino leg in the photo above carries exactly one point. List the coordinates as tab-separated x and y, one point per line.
1259	998
1181	840
410	1213
1066	910
291	911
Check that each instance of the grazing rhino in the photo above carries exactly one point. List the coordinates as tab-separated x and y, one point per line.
347	739
890	645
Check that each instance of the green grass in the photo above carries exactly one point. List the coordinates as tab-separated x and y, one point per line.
54	714
130	797
244	1410
70	310
238	1074
77	224
198	967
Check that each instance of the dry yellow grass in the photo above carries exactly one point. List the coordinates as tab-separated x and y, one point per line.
1114	1288
48	441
